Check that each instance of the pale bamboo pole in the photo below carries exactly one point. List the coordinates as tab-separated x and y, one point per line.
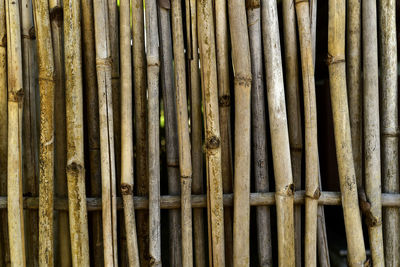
259	132
294	114
75	147
171	128
390	126
127	182
108	179
46	151
221	38
313	27
279	134
348	185
212	133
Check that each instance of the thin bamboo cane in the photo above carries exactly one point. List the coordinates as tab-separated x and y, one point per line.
171	128
75	154
313	27
212	133
221	38
348	185
92	102
46	153
390	126
14	156
294	114
372	156
108	181
127	134
279	134
259	127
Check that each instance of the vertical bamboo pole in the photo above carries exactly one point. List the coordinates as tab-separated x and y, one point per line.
390	126
348	185
46	153
259	132
313	26
108	181
127	134
212	132
171	128
221	38
75	154
92	102
279	134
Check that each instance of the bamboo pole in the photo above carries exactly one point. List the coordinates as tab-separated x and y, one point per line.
74	111
46	153
127	134
348	185
171	128
108	179
390	127
92	102
212	133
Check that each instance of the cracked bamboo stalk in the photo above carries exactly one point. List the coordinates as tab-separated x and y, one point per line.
259	132
212	133
348	185
92	114
171	135
108	179
390	127
127	182
221	38
279	134
14	154
74	123
294	114
46	150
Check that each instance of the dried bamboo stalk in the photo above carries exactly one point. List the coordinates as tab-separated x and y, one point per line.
212	133
171	128
108	178
259	132
390	126
127	134
348	185
46	153
75	154
279	134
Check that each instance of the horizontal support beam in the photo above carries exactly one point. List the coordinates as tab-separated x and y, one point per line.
199	201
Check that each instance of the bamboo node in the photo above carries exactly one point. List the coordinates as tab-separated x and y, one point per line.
57	15
252	4
287	191
224	101
213	142
154	262
392	134
316	195
16	95
104	61
166	4
302	1
334	60
126	189
74	167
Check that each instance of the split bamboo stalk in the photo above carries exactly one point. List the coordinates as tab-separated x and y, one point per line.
372	151
46	153
75	150
348	185
196	130
92	102
139	71
108	178
390	126
279	134
294	114
127	134
221	38
171	128
212	133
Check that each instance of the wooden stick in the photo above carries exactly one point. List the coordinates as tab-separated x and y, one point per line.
212	136
348	185
75	153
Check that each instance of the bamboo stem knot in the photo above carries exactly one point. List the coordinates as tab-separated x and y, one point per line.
213	142
252	4
107	62
166	4
224	101
335	59
316	195
302	1
16	95
126	189
287	191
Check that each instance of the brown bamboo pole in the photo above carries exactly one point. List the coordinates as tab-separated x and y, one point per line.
390	126
279	134
127	134
75	154
348	185
212	132
171	128
108	179
46	150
